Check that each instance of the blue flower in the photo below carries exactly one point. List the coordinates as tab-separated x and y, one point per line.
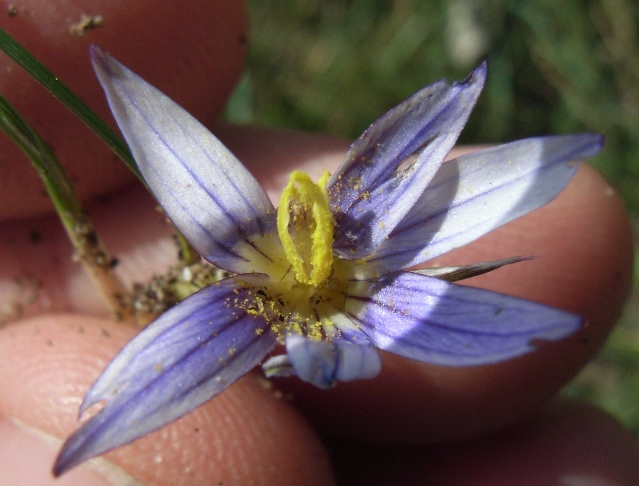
330	274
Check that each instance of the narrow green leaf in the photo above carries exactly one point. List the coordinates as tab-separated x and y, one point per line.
58	89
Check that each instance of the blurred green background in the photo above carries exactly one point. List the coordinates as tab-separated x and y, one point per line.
555	66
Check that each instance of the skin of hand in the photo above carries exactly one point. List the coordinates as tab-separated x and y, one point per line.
192	51
414	424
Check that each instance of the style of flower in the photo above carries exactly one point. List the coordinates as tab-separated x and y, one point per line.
330	274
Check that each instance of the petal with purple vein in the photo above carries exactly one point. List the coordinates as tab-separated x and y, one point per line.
478	192
390	165
207	193
434	321
184	358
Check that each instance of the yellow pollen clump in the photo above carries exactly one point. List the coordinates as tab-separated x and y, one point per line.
305	226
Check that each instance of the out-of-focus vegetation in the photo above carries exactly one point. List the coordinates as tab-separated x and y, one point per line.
555	66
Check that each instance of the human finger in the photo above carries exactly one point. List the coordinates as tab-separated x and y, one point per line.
584	245
579	269
194	52
249	434
566	443
39	274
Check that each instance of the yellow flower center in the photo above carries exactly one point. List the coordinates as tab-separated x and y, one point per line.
305	226
307	287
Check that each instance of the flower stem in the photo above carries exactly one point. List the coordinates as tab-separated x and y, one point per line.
80	230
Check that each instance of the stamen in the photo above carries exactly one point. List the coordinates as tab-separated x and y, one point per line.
305	226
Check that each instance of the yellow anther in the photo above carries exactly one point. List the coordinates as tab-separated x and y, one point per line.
305	226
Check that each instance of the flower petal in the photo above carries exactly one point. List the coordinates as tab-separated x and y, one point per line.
346	355
478	192
323	363
210	197
390	165
188	355
433	321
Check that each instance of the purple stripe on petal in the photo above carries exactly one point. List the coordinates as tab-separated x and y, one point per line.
187	356
433	321
481	191
210	197
390	165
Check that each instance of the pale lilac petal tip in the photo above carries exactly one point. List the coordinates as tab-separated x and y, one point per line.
390	165
478	192
433	321
191	353
208	194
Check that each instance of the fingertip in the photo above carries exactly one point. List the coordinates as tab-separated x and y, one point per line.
567	444
585	247
246	434
20	445
584	244
194	52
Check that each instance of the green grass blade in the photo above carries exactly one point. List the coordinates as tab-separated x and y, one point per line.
58	89
44	161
